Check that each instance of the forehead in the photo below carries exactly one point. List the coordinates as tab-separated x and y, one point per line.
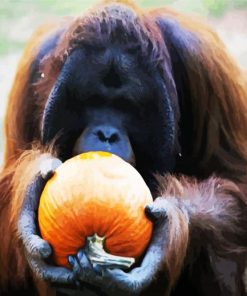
103	58
85	62
108	72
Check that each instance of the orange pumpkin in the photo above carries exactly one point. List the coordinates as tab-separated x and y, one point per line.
99	196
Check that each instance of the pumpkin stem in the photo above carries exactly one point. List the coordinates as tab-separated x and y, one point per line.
94	249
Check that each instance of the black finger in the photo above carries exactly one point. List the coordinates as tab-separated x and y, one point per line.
83	269
52	274
84	263
36	247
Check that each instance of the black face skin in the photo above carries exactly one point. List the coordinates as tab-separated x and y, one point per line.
107	101
105	132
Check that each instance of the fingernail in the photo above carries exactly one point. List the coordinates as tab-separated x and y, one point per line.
80	254
98	269
71	260
45	252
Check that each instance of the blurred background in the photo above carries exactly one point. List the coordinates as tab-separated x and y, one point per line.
18	19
